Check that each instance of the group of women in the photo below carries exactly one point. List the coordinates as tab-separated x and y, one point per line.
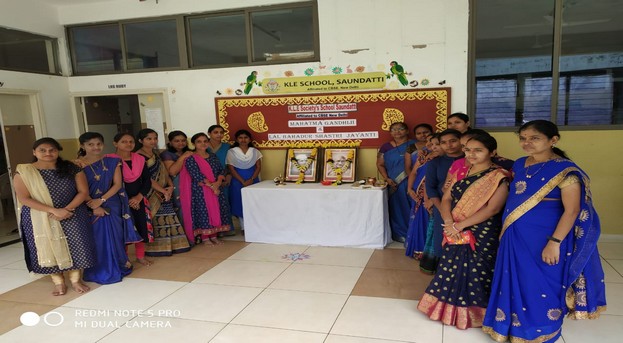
512	246
78	218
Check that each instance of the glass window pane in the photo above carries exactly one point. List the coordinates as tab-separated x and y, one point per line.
152	44
592	63
518	48
496	101
28	52
537	99
281	35
218	40
96	48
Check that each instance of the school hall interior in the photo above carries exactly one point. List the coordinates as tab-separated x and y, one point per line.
71	66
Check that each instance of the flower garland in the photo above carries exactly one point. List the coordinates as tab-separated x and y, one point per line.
339	170
302	168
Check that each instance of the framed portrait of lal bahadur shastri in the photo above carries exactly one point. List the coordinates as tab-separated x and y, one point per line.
339	165
302	165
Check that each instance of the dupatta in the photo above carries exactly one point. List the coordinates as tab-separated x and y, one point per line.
210	199
50	239
158	173
131	174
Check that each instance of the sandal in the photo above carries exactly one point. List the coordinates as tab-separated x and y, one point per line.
198	239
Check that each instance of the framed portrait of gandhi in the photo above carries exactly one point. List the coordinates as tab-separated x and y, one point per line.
301	165
339	165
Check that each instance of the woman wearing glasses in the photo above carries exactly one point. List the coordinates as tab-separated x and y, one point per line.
390	163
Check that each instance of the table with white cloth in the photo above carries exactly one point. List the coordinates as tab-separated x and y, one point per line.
314	214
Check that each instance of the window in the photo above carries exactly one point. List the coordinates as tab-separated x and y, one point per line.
152	44
96	48
284	34
23	51
260	35
516	62
218	40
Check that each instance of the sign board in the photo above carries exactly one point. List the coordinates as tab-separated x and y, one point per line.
331	119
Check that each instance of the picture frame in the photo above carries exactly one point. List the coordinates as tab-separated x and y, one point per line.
339	161
299	159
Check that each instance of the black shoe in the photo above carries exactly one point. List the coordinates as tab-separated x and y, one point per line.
198	240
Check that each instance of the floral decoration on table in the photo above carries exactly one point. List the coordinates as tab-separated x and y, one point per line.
339	170
302	167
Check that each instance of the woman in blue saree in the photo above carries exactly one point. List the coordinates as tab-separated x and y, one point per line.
548	265
112	222
421	133
220	149
390	163
471	209
416	185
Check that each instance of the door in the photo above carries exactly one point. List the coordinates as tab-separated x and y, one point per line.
111	114
17	119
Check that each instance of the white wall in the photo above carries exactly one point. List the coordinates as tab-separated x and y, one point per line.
387	29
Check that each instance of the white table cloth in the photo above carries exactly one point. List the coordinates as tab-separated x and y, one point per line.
313	214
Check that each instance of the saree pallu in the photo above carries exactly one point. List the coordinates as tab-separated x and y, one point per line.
419	216
394	159
458	294
169	235
529	297
170	156
112	231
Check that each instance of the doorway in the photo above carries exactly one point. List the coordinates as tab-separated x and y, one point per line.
19	130
111	114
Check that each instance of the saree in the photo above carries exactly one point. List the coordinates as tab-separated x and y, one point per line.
399	208
113	231
459	293
169	235
204	212
529	297
419	215
171	156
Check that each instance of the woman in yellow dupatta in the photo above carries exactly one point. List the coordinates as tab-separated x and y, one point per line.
53	218
471	209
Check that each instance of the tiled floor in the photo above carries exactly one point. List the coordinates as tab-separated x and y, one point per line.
240	292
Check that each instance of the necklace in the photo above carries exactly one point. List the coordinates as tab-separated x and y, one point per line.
529	176
96	175
469	171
